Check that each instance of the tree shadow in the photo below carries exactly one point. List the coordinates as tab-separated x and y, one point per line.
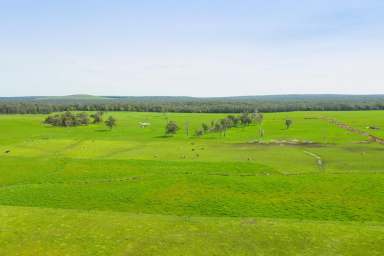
102	130
163	136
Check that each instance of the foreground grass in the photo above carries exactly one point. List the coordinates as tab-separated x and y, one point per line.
39	231
192	189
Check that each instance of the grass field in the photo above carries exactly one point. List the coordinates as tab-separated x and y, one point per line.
133	191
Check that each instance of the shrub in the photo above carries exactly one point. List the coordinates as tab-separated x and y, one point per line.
171	128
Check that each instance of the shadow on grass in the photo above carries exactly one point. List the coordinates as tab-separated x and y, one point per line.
163	136
103	130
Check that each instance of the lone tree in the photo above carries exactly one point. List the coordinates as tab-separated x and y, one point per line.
186	128
110	122
97	117
171	128
288	123
261	132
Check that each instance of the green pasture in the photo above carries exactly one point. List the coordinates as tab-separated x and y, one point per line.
133	191
42	231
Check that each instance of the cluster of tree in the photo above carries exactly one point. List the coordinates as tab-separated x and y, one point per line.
224	124
69	119
33	105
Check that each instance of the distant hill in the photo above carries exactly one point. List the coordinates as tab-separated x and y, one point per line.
256	98
71	97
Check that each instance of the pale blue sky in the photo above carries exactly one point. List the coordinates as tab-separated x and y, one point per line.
196	48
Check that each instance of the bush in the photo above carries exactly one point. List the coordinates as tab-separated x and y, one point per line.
171	128
199	133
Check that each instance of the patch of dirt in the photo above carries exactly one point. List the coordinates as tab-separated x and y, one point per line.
293	142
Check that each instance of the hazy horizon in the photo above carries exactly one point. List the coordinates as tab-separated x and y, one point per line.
197	49
213	96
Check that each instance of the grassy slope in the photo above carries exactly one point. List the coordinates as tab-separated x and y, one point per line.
191	188
132	171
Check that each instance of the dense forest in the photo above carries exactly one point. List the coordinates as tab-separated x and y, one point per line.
275	103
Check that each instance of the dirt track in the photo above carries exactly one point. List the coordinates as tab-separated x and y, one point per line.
354	130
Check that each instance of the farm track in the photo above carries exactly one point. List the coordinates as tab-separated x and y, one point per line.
47	152
119	151
319	160
349	128
71	146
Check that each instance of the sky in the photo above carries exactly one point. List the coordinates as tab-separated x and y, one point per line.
191	48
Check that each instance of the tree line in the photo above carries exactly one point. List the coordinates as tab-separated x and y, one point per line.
221	125
196	105
224	124
69	119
